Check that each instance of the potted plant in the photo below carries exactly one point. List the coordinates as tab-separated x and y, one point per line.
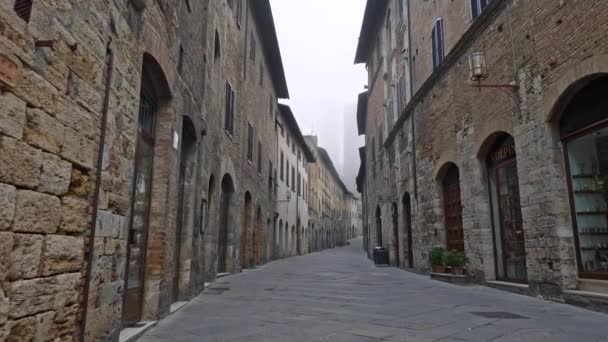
455	260
436	259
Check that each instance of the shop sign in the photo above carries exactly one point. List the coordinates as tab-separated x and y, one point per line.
503	153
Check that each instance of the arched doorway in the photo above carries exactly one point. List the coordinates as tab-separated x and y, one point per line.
298	237
378	227
452	209
285	246
407	221
583	127
225	219
185	205
509	237
257	237
245	231
292	246
279	245
395	214
154	95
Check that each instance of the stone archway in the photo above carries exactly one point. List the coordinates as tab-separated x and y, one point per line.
185	206
223	241
378	226
247	214
395	219
154	107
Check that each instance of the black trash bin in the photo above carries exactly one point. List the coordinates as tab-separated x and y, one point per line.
380	256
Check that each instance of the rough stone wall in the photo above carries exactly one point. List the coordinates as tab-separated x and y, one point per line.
456	123
49	139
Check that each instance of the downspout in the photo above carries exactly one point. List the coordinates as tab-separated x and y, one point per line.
413	124
100	155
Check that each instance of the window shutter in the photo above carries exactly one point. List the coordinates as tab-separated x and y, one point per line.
23	8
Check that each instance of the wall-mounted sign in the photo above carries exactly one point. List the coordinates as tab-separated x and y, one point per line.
8	71
503	153
175	140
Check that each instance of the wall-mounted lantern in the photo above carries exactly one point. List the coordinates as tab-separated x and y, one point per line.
478	71
477	66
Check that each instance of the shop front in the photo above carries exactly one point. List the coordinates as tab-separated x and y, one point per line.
584	133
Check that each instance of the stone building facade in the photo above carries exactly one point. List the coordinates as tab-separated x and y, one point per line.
138	158
494	163
292	187
329	202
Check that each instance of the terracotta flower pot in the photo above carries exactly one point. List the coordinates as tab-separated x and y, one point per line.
438	269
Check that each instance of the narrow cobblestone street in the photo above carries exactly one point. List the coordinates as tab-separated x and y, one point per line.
338	295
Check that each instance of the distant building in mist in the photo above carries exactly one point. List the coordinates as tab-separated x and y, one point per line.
351	141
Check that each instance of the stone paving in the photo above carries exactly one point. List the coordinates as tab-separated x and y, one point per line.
338	295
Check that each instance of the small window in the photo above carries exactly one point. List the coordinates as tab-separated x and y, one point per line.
437	41
252	48
287	178
239	10
389	36
271	106
261	74
259	157
293	179
217	50
229	112
23	8
477	6
282	164
249	142
180	62
188	6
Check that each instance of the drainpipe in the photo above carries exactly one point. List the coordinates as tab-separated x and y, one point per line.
100	155
411	74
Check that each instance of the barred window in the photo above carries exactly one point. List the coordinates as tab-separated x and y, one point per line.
437	41
23	8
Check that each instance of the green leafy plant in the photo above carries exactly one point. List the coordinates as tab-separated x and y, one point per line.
454	259
436	256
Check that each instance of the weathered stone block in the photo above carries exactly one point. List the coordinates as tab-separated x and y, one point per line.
7	205
44	131
76	117
25	257
6	246
78	149
62	254
56	173
74	215
36	212
110	293
44	326
4	305
39	93
19	163
12	119
22	330
109	224
30	297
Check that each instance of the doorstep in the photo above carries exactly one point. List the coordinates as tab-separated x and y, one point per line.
456	279
222	275
589	300
522	289
133	333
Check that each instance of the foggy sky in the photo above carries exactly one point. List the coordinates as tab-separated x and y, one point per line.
318	40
